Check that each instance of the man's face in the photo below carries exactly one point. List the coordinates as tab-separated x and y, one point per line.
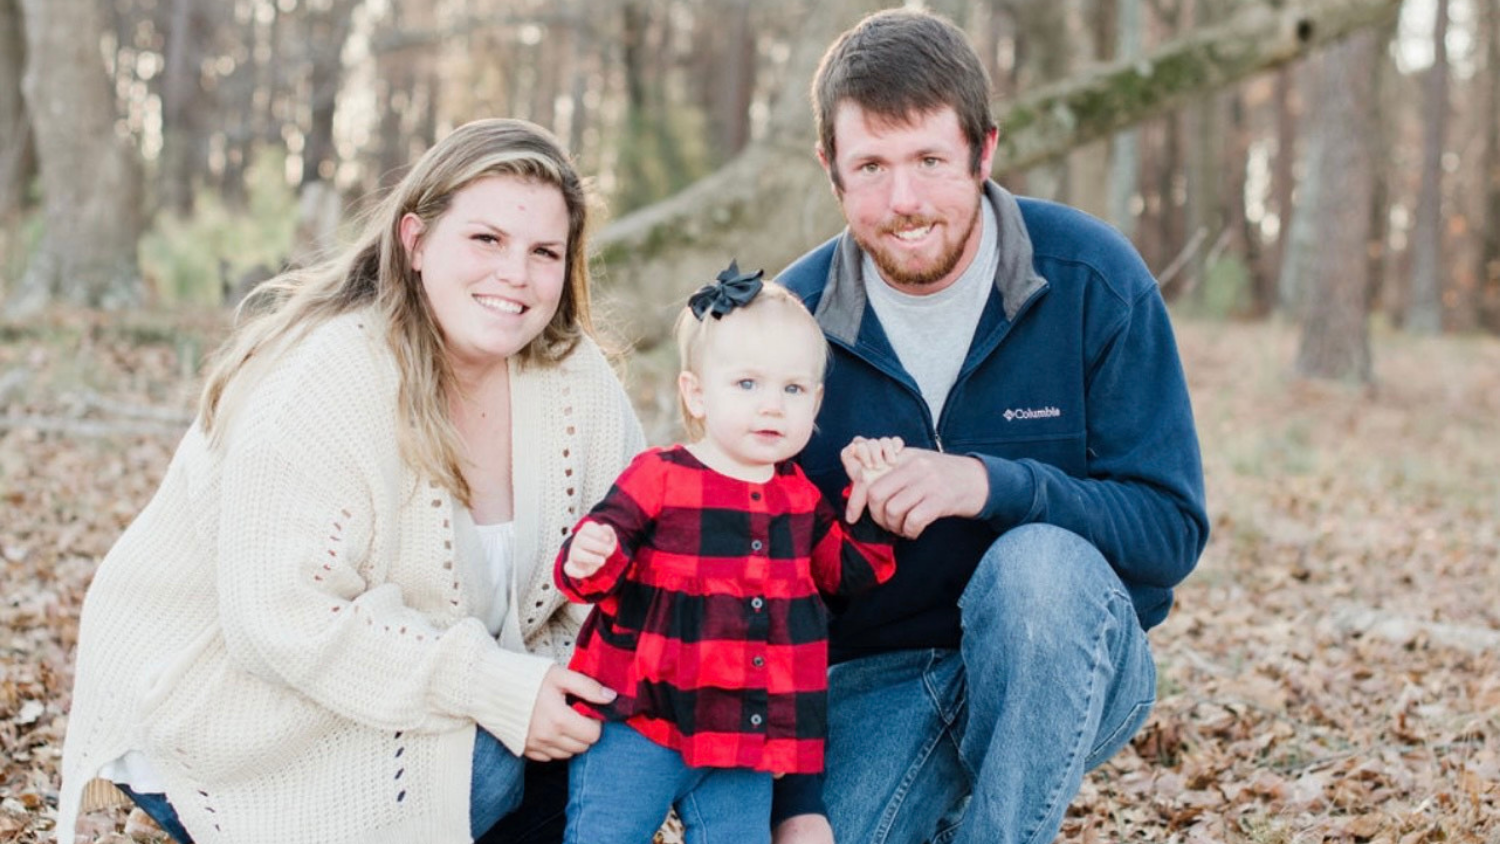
909	195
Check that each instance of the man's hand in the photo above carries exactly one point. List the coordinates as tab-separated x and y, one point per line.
921	488
557	731
803	829
592	545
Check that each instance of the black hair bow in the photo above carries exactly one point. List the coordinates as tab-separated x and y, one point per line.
733	289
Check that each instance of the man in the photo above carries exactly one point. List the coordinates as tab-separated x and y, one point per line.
1051	493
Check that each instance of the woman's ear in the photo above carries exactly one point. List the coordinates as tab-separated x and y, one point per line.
691	391
411	229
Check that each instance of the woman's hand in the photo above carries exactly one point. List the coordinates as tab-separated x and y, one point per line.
592	545
557	731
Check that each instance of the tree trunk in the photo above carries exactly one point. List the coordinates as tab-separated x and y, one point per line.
775	197
1241	238
1488	272
395	90
727	79
1424	304
320	208
1335	333
1044	55
1299	272
1124	148
1282	181
90	177
326	33
1204	120
584	56
272	76
17	154
1385	88
180	92
1088	165
544	86
236	102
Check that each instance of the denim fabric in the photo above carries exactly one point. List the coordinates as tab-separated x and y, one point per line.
989	743
495	784
161	811
494	792
619	791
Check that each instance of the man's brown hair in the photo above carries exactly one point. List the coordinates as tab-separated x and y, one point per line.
899	64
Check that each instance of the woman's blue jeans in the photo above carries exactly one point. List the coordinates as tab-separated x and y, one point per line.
497	811
989	743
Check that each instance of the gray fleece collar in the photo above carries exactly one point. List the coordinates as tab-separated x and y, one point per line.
842	305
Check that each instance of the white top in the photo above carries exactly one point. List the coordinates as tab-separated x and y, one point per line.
498	574
931	333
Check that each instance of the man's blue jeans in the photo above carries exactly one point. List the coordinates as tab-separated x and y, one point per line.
989	743
495	792
619	791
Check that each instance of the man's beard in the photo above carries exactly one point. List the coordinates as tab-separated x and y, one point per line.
893	271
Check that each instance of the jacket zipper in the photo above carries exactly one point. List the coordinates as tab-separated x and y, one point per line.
1025	306
937	441
932	426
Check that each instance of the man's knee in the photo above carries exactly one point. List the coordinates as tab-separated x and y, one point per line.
1032	566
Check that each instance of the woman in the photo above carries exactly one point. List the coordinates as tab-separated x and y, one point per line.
296	641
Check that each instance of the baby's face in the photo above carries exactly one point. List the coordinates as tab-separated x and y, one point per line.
759	388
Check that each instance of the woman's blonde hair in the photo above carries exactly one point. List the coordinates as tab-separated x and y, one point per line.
693	334
376	272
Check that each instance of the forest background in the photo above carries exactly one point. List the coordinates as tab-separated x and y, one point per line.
1316	184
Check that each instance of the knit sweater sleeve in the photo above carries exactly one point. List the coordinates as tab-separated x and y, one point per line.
307	551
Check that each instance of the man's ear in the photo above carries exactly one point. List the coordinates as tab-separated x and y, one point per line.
828	171
987	155
690	389
411	229
827	165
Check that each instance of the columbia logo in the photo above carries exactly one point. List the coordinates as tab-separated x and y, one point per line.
1013	414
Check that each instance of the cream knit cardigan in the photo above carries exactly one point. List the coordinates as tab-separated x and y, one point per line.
283	631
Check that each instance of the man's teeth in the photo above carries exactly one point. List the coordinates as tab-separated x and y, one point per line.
497	304
914	234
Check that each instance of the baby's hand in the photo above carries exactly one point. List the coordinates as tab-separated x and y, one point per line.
865	460
592	545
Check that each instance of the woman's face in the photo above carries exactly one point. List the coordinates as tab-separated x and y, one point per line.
493	266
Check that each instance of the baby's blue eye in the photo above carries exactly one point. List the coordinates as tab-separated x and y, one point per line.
745	383
795	389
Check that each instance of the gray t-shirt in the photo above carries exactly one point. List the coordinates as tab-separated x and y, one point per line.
931	333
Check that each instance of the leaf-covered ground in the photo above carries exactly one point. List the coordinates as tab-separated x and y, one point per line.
1331	673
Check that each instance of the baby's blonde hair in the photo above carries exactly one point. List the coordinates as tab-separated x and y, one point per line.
693	335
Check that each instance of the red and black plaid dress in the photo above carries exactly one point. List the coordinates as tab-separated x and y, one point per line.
709	620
